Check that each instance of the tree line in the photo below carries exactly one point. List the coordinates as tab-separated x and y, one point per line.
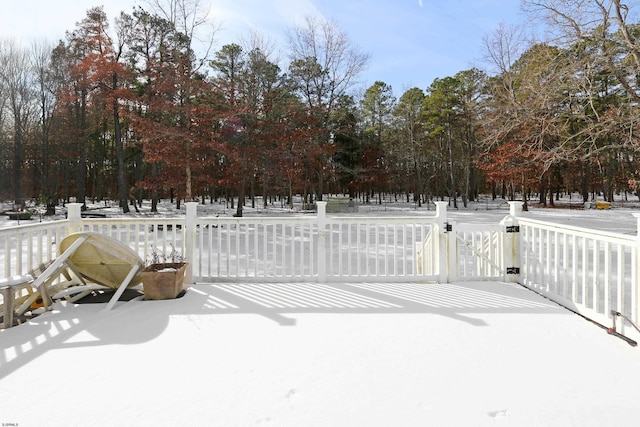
150	109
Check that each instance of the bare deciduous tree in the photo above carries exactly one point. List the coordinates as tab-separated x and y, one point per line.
16	77
324	65
608	25
45	94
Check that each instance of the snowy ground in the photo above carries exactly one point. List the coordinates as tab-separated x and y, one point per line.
462	354
475	354
618	219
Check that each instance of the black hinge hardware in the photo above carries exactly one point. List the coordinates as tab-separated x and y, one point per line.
513	270
513	228
448	227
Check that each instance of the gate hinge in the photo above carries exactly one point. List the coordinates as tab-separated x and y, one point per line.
513	270
448	227
513	228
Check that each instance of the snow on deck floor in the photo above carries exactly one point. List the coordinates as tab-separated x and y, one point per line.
472	354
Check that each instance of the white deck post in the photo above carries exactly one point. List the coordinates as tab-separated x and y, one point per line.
322	241
515	208
445	251
190	239
512	252
74	214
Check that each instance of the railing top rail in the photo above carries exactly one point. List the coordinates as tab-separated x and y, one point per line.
34	226
254	219
314	219
479	226
133	220
389	219
270	219
580	231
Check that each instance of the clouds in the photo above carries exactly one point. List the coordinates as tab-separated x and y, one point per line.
237	19
295	11
242	15
28	20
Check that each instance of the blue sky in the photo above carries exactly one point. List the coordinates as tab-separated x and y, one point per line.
411	42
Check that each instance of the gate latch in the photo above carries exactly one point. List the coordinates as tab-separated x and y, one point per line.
513	228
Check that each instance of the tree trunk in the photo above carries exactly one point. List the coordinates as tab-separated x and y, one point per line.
264	193
241	196
188	195
584	181
81	165
320	185
122	180
18	161
452	191
155	197
525	205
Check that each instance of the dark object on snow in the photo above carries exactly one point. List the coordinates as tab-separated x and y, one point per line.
612	330
105	295
19	215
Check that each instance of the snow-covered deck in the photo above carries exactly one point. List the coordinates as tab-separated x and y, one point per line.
308	354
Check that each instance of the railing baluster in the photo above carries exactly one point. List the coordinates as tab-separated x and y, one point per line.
565	261
595	271
586	261
620	273
607	277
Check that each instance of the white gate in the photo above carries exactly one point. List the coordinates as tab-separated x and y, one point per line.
481	251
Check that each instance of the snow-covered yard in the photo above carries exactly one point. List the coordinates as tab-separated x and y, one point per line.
619	218
473	354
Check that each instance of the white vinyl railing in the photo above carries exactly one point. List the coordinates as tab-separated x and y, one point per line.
311	248
25	247
590	272
318	248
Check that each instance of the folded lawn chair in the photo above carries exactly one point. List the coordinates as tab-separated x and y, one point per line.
13	292
89	260
19	293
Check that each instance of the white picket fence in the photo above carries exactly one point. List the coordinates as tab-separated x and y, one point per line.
588	271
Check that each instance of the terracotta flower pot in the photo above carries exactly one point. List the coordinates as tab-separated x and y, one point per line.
163	281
